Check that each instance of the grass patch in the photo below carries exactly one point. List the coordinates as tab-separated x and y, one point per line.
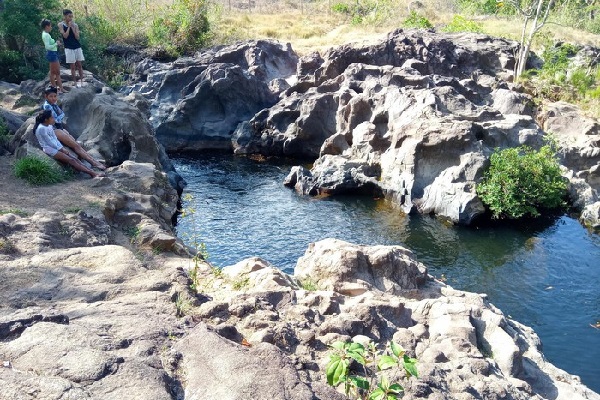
16	211
7	247
240	282
308	285
39	171
72	210
462	24
133	233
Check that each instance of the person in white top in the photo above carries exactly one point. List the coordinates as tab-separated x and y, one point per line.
44	132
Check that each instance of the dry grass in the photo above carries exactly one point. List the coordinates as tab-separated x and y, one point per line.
314	27
311	25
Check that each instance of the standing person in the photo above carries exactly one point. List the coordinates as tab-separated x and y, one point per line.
70	33
51	46
44	132
61	133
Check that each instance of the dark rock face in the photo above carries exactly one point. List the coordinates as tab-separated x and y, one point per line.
199	101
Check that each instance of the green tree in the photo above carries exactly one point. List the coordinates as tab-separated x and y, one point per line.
520	181
21	49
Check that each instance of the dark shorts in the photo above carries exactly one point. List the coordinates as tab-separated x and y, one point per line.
52	56
58	125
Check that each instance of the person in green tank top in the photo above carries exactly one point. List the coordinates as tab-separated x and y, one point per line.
51	46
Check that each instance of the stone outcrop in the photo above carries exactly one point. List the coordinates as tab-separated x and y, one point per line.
578	140
413	118
199	101
466	347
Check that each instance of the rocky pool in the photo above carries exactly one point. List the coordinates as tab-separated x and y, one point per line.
544	275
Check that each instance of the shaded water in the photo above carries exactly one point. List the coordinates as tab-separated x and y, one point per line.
546	276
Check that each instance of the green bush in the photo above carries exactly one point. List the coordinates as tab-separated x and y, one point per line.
368	381
184	28
521	181
581	80
39	171
462	24
415	20
366	12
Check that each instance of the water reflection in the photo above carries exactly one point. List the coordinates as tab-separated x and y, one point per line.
544	274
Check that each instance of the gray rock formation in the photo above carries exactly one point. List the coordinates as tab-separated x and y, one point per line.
199	101
414	118
578	140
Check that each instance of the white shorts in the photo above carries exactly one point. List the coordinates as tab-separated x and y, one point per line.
73	55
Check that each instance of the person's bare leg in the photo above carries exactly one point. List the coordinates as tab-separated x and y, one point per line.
69	141
80	69
73	76
75	163
56	69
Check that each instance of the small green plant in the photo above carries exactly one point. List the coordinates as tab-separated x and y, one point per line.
308	285
7	247
193	239
372	384
39	171
520	181
72	210
16	211
418	21
240	282
462	24
94	204
133	233
182	304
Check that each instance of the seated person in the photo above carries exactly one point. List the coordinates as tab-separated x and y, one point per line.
45	134
61	133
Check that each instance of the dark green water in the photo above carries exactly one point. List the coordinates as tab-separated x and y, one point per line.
546	276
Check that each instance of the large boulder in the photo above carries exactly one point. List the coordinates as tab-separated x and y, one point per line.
352	270
578	141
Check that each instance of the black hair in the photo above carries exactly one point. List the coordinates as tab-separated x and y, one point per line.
50	89
66	11
45	22
41	117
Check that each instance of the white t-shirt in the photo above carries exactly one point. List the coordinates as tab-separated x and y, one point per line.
48	140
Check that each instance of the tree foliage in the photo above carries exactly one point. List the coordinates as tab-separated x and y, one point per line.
522	181
21	48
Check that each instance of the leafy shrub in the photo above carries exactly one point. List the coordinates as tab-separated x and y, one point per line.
375	386
520	181
341	8
38	171
581	80
462	24
415	20
369	12
478	6
184	28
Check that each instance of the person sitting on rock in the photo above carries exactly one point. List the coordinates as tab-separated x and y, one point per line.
62	134
45	134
